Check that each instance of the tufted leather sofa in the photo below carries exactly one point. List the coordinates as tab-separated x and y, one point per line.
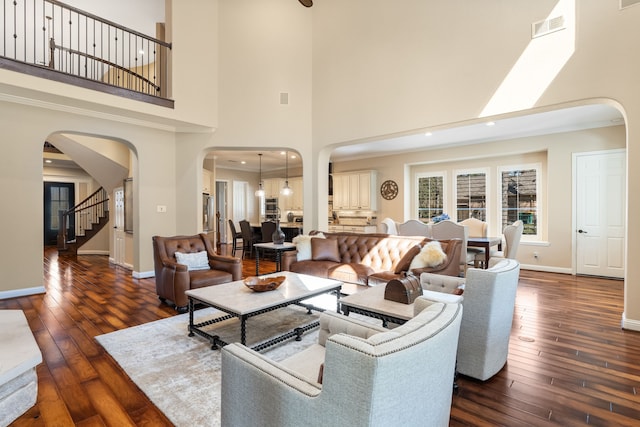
373	259
173	279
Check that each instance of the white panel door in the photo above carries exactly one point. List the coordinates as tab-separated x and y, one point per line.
600	214
118	231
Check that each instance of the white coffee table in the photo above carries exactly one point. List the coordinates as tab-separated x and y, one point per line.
235	299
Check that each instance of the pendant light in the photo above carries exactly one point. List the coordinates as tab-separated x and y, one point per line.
260	190
286	190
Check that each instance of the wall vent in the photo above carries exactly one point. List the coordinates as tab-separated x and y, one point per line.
547	26
627	3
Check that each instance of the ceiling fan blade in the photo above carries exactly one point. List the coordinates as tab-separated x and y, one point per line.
306	3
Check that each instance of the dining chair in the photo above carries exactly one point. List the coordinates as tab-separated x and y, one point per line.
449	229
512	236
267	228
248	238
235	235
477	228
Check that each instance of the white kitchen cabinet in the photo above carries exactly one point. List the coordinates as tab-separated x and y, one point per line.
272	187
341	190
353	228
355	191
206	181
296	200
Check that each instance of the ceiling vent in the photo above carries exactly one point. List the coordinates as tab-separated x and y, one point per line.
542	28
627	3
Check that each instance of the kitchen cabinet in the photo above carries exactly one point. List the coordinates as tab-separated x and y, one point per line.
355	191
206	182
294	201
272	187
341	192
353	228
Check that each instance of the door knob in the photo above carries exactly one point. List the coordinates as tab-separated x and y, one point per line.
582	232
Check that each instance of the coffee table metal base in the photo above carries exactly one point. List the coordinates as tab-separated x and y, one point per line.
385	318
217	342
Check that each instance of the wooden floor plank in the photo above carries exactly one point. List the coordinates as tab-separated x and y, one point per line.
570	363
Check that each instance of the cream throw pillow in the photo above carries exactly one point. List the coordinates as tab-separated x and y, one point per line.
193	261
430	255
303	245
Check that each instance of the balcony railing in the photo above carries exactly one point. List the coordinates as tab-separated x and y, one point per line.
50	39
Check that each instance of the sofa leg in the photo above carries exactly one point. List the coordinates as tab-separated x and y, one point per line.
182	309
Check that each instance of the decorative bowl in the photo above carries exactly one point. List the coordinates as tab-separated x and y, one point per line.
263	284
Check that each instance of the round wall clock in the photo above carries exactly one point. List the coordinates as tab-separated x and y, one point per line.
389	190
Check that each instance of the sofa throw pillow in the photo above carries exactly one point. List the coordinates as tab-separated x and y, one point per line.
303	245
405	261
325	250
193	261
430	255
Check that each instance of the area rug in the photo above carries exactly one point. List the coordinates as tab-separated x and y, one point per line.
181	374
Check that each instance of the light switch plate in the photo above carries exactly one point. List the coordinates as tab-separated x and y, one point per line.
162	209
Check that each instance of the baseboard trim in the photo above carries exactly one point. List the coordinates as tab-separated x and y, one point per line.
630	324
144	274
15	293
546	269
92	252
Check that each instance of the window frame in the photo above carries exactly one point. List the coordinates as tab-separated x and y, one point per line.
540	220
487	192
437	174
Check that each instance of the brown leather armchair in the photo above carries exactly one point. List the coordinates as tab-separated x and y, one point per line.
173	278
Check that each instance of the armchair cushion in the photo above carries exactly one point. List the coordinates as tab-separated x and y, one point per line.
325	250
309	361
193	261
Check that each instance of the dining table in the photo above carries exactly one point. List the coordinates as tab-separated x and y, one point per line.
485	243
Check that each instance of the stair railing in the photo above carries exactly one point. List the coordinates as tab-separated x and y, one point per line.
55	36
82	217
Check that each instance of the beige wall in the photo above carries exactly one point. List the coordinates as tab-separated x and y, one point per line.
21	171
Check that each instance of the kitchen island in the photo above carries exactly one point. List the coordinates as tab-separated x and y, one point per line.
290	229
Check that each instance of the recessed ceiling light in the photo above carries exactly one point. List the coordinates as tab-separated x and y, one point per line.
243	162
491	123
428	134
48	161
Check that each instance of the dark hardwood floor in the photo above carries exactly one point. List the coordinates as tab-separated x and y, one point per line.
570	363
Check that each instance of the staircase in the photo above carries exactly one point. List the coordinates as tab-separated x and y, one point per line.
83	221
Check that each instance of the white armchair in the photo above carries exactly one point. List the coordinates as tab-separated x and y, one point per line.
489	302
371	376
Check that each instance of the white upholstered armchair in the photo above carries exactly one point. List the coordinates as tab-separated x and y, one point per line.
371	376
489	302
